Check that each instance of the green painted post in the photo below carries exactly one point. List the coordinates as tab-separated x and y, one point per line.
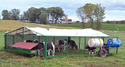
23	35
116	50
22	38
66	46
103	39
39	38
5	42
13	39
54	40
85	46
45	48
79	42
33	39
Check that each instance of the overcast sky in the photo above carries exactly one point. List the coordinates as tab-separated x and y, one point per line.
115	9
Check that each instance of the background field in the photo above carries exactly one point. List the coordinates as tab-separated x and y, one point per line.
9	25
8	59
104	26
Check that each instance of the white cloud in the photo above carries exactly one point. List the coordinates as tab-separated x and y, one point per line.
115	9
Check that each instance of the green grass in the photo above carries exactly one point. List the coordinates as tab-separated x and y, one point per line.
1	41
104	26
8	59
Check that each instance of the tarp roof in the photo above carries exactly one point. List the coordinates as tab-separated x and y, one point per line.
67	32
24	45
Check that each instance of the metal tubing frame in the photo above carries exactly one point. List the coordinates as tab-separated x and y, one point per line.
5	41
66	46
84	46
33	39
13	40
116	50
79	41
45	49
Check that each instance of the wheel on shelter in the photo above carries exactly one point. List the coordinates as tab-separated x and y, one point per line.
103	52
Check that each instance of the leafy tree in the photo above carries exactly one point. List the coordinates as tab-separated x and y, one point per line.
5	14
14	13
89	11
99	14
43	18
43	10
26	15
55	13
33	14
81	14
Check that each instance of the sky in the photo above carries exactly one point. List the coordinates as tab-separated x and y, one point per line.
114	9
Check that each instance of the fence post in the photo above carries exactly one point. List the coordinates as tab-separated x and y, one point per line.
45	48
79	42
114	25
13	39
66	46
33	38
5	42
116	50
84	46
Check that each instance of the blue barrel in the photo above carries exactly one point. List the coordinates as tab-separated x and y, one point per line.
114	42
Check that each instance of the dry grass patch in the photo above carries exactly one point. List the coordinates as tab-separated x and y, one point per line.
9	25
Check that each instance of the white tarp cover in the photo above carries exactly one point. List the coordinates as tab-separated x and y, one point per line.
67	32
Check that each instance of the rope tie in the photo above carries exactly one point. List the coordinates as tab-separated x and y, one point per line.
100	43
95	42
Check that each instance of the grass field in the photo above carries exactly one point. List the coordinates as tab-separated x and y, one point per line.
104	26
8	59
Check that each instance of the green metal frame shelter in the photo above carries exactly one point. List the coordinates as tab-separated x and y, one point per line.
80	36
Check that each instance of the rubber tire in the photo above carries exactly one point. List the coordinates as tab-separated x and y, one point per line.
103	52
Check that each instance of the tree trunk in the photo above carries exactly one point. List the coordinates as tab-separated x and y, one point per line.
83	23
91	22
98	24
97	27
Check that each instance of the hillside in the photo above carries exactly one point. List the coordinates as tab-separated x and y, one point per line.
104	26
8	25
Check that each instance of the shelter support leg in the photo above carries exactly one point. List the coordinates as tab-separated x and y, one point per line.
4	41
79	42
33	39
22	38
85	46
116	50
45	49
13	40
66	46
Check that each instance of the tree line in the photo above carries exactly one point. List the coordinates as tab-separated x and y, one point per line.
87	13
11	15
91	13
115	22
35	15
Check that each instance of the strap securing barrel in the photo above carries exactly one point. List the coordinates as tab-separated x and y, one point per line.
100	43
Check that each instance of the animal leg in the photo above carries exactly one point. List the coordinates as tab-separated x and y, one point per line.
95	51
58	49
48	52
89	52
53	53
92	53
64	49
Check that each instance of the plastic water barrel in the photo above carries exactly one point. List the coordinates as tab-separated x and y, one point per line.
95	42
114	42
